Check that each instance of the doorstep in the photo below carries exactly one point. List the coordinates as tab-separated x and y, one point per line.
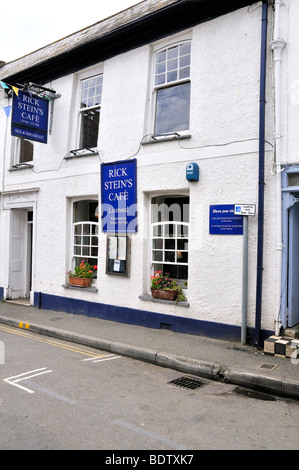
282	346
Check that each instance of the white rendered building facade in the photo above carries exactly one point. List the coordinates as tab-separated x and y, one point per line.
195	95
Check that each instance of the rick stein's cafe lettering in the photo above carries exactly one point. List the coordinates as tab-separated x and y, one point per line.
30	109
118	185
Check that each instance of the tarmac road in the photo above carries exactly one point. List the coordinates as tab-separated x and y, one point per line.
208	358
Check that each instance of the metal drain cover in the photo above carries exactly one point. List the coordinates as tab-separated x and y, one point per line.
267	366
187	382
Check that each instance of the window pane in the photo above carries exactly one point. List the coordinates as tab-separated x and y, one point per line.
157	255
172	64
173	52
160	68
185	61
170	244
184	73
160	79
182	230
77	250
182	244
157	231
172	111
91	91
172	76
26	151
169	230
182	257
158	243
170	256
90	128
161	56
185	48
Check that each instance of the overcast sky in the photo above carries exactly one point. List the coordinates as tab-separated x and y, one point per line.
28	26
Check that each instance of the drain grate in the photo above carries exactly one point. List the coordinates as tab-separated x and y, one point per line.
187	382
268	366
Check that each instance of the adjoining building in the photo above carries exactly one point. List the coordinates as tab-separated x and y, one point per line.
156	140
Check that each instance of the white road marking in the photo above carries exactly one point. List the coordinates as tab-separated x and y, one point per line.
106	357
25	376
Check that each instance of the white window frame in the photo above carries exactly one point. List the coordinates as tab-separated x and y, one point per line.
17	149
75	256
85	248
163	236
172	42
79	78
177	251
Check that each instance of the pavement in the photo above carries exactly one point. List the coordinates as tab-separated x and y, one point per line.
229	362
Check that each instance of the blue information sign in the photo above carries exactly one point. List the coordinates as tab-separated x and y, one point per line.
223	221
119	196
30	117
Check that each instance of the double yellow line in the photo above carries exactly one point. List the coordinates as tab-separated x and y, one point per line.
47	341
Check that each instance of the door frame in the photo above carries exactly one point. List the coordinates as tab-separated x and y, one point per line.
21	200
289	199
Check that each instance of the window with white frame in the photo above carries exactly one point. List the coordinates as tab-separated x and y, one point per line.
85	232
172	88
169	236
90	108
23	151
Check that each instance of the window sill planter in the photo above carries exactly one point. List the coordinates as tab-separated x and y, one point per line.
79	281
164	294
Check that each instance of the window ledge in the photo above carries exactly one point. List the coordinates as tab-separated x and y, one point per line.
149	298
155	139
89	289
21	166
78	153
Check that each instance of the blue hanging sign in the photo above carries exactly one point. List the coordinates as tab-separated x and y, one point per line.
119	196
223	220
30	117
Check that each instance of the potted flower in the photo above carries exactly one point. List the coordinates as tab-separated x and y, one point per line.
163	287
82	275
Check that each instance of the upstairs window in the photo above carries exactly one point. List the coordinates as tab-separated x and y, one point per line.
172	88
90	108
23	151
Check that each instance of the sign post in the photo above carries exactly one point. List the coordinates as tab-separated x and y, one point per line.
245	210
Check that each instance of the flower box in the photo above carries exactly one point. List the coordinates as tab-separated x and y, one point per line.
164	294
79	281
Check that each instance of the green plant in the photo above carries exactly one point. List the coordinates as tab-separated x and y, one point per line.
163	281
84	270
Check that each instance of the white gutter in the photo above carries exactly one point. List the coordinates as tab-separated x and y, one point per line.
277	46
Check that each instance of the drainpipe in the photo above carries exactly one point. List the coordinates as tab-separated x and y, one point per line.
277	45
260	242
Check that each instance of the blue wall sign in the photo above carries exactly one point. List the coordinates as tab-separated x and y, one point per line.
30	117
119	196
223	221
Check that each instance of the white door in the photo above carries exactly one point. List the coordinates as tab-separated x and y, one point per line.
18	254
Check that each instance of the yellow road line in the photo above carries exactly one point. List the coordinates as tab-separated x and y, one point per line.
47	341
